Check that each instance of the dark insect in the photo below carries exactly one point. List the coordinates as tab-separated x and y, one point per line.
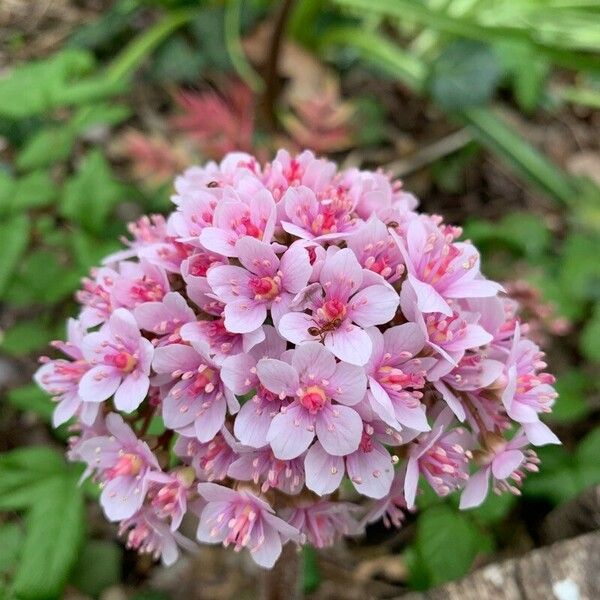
323	330
393	224
212	184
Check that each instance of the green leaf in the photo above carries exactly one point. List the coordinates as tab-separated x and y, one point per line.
92	193
31	89
101	113
466	73
14	239
32	398
26	336
34	190
178	62
588	450
573	388
46	147
11	535
311	576
98	567
447	542
494	509
590	337
55	528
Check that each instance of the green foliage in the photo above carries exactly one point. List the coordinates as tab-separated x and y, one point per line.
465	73
14	234
98	567
37	482
446	544
311	576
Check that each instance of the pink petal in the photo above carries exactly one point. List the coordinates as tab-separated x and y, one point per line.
313	361
341	274
339	429
244	316
132	392
428	299
350	344
324	472
235	373
266	553
407	337
451	400
219	240
539	434
476	288
252	424
291	432
348	384
277	376
122	324
210	421
175	357
371	472
381	404
414	418
66	408
476	489
228	282
374	305
296	269
294	327
256	256
411	481
122	497
99	383
506	462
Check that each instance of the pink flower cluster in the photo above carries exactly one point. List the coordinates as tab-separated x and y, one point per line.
288	356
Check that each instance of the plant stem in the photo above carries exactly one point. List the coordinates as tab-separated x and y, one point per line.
271	74
282	582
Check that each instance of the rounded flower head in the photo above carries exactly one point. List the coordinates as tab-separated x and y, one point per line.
293	331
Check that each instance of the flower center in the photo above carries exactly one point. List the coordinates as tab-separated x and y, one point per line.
313	399
264	288
123	361
128	465
334	309
366	442
203	381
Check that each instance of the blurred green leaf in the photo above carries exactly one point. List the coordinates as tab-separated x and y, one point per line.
100	113
311	576
98	567
572	388
34	190
46	147
447	541
32	398
92	193
55	528
588	450
26	336
494	509
14	239
12	536
590	337
177	61
466	73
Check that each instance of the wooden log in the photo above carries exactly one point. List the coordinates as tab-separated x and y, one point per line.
568	570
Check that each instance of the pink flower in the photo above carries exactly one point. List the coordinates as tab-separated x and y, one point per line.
123	464
323	522
196	404
346	299
396	376
439	268
324	217
376	250
323	392
264	282
239	374
120	359
96	297
210	460
448	335
234	218
138	283
262	467
392	507
165	318
61	378
147	534
168	494
243	520
441	456
528	391
370	467
505	462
